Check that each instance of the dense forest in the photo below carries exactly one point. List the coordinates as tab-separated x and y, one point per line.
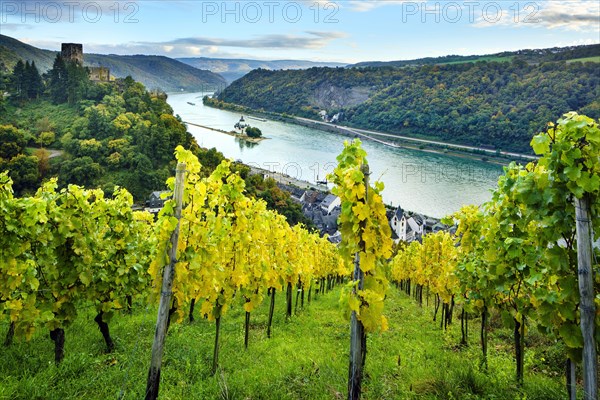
100	135
494	104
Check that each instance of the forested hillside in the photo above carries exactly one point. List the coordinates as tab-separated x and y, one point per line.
108	134
485	103
100	135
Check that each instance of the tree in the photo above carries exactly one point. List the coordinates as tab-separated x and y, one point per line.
58	80
253	132
77	80
12	142
43	157
24	172
143	179
33	80
17	81
44	124
80	171
46	138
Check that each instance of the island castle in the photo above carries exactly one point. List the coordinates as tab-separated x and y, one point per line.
74	52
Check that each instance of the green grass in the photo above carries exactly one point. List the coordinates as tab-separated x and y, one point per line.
595	59
483	58
305	359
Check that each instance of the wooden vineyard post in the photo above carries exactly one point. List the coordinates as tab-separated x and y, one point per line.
153	382
571	374
358	339
271	307
586	294
215	363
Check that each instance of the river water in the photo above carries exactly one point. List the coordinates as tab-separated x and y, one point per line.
428	183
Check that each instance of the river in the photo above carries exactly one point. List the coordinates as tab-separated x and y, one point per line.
428	183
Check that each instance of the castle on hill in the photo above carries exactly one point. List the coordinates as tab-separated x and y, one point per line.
74	52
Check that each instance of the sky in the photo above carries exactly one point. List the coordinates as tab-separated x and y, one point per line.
345	31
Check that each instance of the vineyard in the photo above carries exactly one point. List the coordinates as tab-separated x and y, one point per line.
251	290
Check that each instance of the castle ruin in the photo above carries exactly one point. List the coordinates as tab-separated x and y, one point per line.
74	52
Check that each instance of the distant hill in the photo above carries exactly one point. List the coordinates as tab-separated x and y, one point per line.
12	50
530	56
158	72
493	104
153	71
232	69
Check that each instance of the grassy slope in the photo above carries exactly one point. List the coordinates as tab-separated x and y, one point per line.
530	56
483	58
306	359
586	59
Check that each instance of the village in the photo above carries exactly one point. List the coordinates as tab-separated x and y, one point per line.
324	209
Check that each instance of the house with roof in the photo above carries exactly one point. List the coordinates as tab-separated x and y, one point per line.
330	202
294	191
414	228
156	201
407	227
312	198
336	238
322	209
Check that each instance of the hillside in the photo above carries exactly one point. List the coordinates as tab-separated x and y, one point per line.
11	50
232	69
496	104
530	56
158	71
153	71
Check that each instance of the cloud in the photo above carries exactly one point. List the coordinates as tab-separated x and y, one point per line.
368	5
574	15
313	40
14	27
199	46
571	15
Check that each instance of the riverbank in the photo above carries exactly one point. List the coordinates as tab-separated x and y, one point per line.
286	179
496	157
230	133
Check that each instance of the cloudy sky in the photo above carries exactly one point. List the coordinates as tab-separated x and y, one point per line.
317	30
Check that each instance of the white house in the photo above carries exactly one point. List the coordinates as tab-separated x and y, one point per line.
330	202
415	223
407	228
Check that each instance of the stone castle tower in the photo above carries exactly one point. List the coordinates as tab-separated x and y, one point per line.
72	52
